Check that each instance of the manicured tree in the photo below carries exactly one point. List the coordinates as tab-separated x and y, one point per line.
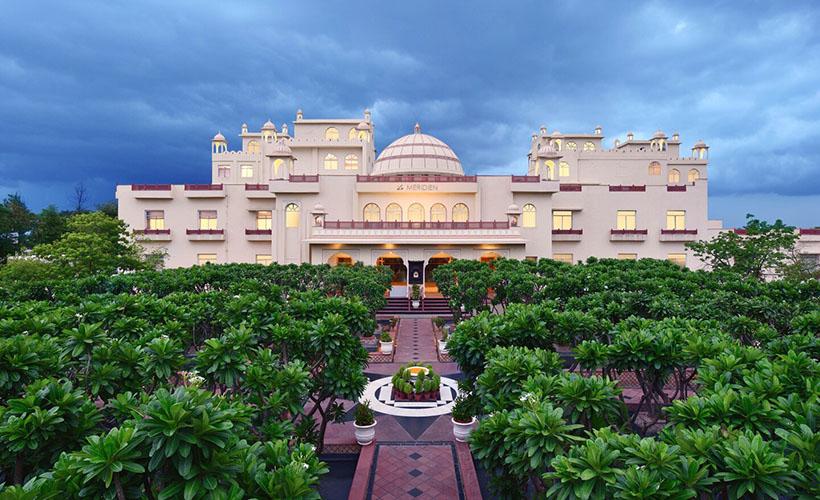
162	358
25	359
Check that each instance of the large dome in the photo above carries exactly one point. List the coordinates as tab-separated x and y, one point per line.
417	153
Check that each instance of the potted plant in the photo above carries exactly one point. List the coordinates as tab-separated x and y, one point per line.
442	342
415	296
463	419
386	343
365	424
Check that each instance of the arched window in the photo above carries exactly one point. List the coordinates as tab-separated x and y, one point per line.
556	143
351	135
372	213
674	176
654	168
331	162
528	215
549	166
563	169
392	213
415	213
438	213
332	134
571	146
693	175
292	215
351	162
460	212
278	167
364	136
269	136
253	147
589	146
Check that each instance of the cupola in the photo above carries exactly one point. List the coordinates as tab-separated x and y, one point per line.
700	150
219	144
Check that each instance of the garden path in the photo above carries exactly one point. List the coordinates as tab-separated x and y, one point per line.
416	341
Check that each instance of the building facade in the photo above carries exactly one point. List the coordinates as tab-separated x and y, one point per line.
321	194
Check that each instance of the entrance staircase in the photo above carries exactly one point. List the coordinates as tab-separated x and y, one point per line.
432	306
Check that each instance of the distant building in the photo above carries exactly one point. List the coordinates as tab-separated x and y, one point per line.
320	194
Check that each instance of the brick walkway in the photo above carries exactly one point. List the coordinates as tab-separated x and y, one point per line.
416	341
407	471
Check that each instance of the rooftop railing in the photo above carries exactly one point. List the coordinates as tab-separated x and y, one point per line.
203	187
626	189
810	231
303	178
526	178
355	224
569	187
150	187
256	187
416	178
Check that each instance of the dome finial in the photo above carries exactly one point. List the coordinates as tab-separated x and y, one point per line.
417	128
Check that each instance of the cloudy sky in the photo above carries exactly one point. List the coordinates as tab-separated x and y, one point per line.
118	92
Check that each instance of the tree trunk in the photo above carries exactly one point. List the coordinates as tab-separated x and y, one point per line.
19	469
118	487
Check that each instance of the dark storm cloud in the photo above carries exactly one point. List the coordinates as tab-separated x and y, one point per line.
120	92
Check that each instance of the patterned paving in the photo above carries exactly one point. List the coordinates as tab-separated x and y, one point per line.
378	392
415	470
416	341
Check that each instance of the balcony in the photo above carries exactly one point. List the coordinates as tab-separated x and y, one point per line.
296	184
152	191
676	189
627	234
571	187
258	191
627	189
205	234
567	234
204	191
152	234
258	234
363	232
809	234
679	234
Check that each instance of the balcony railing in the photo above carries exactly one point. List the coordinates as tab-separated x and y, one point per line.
679	231
570	187
258	231
741	232
567	231
628	231
150	187
203	187
256	187
673	188
526	178
152	231
303	178
355	224
204	231
416	178
810	231
626	189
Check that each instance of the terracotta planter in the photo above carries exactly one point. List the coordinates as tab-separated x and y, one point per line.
365	434
461	431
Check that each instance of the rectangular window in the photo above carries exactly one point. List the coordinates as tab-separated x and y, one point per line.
264	259
263	219
246	171
223	171
675	219
626	219
531	258
563	169
205	258
561	219
207	219
155	219
627	256
562	257
677	258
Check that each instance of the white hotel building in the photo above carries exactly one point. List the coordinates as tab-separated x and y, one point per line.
319	193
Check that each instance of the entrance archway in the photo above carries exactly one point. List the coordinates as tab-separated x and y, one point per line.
430	287
340	259
490	257
398	282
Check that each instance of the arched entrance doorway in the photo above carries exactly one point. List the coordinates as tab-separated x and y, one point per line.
340	259
490	257
398	282
430	287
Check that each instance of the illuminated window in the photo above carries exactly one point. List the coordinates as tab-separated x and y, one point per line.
677	258
627	256
571	146
351	134
438	213
562	219
675	219
253	147
549	166
246	171
264	259
332	134
364	136
223	171
528	215
372	213
392	213
556	144
278	164
269	136
693	175
263	219
331	162
460	212
589	146
654	168
207	219
205	258
415	213
562	257
351	162
625	219
155	219
563	169
674	176
292	215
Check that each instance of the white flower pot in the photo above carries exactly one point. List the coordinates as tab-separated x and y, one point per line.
442	346
386	347
365	434
462	431
416	304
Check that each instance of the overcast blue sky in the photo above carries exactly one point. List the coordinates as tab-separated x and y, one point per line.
118	92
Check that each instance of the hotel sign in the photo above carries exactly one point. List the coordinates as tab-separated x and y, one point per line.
416	187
